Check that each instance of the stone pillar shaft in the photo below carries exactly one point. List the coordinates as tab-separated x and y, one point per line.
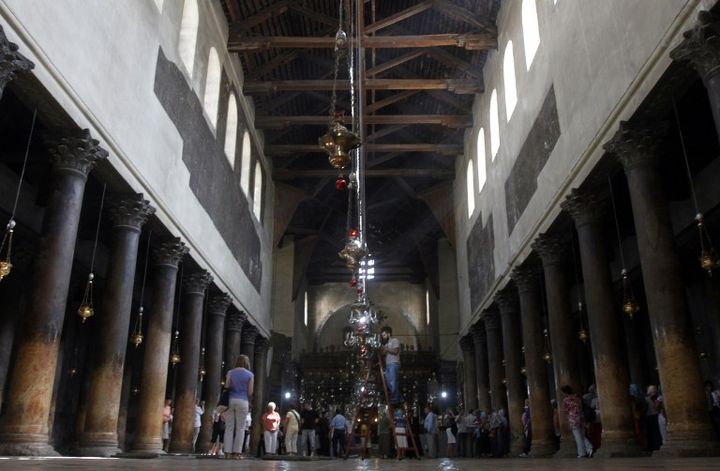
213	359
512	345
541	414
99	437
148	432
189	368
25	430
469	385
482	380
612	377
233	339
689	429
249	334
498	396
260	367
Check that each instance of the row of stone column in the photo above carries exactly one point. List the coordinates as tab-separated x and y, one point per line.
25	429
635	145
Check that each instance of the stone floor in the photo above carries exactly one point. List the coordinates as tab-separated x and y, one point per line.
186	464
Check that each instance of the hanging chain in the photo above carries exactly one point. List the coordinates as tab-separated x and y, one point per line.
617	224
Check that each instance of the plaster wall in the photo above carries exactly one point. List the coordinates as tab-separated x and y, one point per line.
601	59
98	60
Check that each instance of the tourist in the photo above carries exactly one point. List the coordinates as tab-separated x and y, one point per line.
572	406
271	425
651	424
391	348
470	439
308	422
364	440
218	432
199	411
461	433
292	425
591	414
431	432
338	426
240	383
167	417
384	433
451	431
713	405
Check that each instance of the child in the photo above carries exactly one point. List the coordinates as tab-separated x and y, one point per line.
218	431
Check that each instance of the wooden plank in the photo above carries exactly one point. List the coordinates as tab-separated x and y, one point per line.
316	16
274	63
440	174
446	57
395	62
456	86
242	27
378	105
469	41
279	122
399	16
456	12
292	149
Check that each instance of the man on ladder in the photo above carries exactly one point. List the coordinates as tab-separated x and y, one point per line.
390	346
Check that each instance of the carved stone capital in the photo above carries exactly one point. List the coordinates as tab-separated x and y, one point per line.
170	252
635	144
507	302
467	344
249	334
197	282
479	334
701	46
77	154
492	320
11	61
525	278
261	345
130	211
218	304
552	248
584	207
234	321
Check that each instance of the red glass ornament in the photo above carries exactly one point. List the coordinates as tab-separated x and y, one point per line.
340	184
353	232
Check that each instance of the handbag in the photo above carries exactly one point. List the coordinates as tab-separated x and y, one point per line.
224	398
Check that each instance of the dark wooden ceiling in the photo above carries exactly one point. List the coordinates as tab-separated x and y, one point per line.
423	62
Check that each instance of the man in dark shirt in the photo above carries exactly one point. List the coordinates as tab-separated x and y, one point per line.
308	422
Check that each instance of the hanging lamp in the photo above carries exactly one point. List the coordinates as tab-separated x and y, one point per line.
630	306
87	308
136	338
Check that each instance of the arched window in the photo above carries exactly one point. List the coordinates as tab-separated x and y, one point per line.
509	80
494	126
470	182
188	34
245	163
482	176
257	193
531	30
212	86
231	130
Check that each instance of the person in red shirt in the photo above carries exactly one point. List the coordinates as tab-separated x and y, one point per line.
271	425
572	405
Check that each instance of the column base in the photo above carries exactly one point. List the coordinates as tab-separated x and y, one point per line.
24	444
621	446
567	448
181	447
98	444
542	448
155	446
688	446
99	450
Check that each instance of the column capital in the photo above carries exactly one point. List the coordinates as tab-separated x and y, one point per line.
249	333
584	207
11	61
701	46
507	301
552	248
492	320
170	252
197	282
234	321
261	345
479	334
525	278
218	304
467	344
75	154
635	144
130	211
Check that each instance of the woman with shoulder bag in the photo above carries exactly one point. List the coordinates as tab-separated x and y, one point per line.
239	382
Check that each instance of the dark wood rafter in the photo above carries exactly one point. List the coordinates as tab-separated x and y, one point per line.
451	121
385	66
460	87
243	27
277	61
440	174
469	41
399	16
380	104
456	12
441	149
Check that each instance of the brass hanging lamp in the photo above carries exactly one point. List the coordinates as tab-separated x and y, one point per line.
137	337
630	306
175	350
87	308
547	356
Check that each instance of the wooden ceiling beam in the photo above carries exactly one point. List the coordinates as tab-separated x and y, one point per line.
452	121
272	64
456	12
316	16
440	174
451	99
461	87
380	104
242	27
291	149
399	16
385	131
469	41
447	58
395	62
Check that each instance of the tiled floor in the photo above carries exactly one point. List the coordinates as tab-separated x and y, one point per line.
186	464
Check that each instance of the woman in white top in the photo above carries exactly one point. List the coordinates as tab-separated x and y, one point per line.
292	425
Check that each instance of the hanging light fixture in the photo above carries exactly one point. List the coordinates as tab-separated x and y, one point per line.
87	308
136	338
707	257
175	349
547	356
202	371
7	240
630	306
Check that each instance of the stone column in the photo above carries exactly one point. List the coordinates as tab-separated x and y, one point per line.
148	431
469	385
512	348
99	437
217	307
249	334
191	320
689	429
612	376
482	381
25	429
553	252
700	47
498	397
233	337
260	369
11	61
541	416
